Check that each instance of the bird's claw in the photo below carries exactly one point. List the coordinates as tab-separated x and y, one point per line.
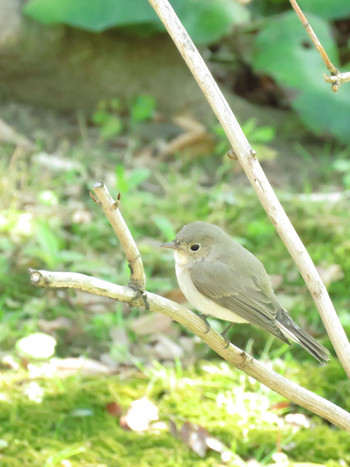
204	318
140	293
224	335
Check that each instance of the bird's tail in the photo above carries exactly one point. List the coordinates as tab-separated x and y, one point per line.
293	332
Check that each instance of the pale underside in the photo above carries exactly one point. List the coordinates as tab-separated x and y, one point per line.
200	301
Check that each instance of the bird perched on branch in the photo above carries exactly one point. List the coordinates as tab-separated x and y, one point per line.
221	279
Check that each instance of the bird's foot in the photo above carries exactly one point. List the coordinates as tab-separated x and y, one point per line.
224	335
140	293
204	318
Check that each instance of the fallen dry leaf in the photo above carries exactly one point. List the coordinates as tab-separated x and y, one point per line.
195	436
140	415
280	405
114	409
8	361
119	336
59	323
84	366
199	440
151	323
94	303
195	140
9	135
167	349
57	163
297	419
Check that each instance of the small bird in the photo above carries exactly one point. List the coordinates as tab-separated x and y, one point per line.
221	279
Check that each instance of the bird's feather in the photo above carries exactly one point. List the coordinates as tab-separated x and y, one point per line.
224	285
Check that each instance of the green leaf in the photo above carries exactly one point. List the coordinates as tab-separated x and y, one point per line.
258	134
138	176
142	108
283	51
92	15
49	244
165	227
334	9
113	126
100	117
206	20
130	181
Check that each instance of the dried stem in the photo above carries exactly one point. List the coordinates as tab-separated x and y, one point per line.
190	320
257	178
336	78
331	68
110	208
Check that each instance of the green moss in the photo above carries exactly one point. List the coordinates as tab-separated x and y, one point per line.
228	404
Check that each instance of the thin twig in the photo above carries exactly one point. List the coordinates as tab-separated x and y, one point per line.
190	320
111	209
336	78
331	68
257	178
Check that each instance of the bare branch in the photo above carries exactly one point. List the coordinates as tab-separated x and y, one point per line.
111	209
257	178
336	78
332	69
190	320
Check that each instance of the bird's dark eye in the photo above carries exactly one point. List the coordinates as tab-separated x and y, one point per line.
195	247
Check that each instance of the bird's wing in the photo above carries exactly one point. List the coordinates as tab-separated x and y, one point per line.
242	295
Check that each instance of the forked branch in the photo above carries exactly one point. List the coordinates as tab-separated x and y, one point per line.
191	321
257	178
336	78
113	214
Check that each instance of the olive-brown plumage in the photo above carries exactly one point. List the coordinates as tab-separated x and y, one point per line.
222	279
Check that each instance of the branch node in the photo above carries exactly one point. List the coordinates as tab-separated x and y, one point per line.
137	286
330	67
36	278
116	202
232	155
140	294
246	360
94	199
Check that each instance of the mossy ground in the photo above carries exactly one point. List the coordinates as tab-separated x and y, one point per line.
72	422
48	221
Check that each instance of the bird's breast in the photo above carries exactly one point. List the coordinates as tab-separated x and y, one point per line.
199	301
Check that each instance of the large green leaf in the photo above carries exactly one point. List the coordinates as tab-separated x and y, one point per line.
92	15
205	20
208	20
334	9
283	50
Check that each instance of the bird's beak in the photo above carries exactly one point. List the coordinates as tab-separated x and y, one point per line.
172	245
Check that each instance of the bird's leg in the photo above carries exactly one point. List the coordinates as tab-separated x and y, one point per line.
224	334
225	331
204	318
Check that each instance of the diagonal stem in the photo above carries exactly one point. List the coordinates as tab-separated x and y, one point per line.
194	323
113	214
257	178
